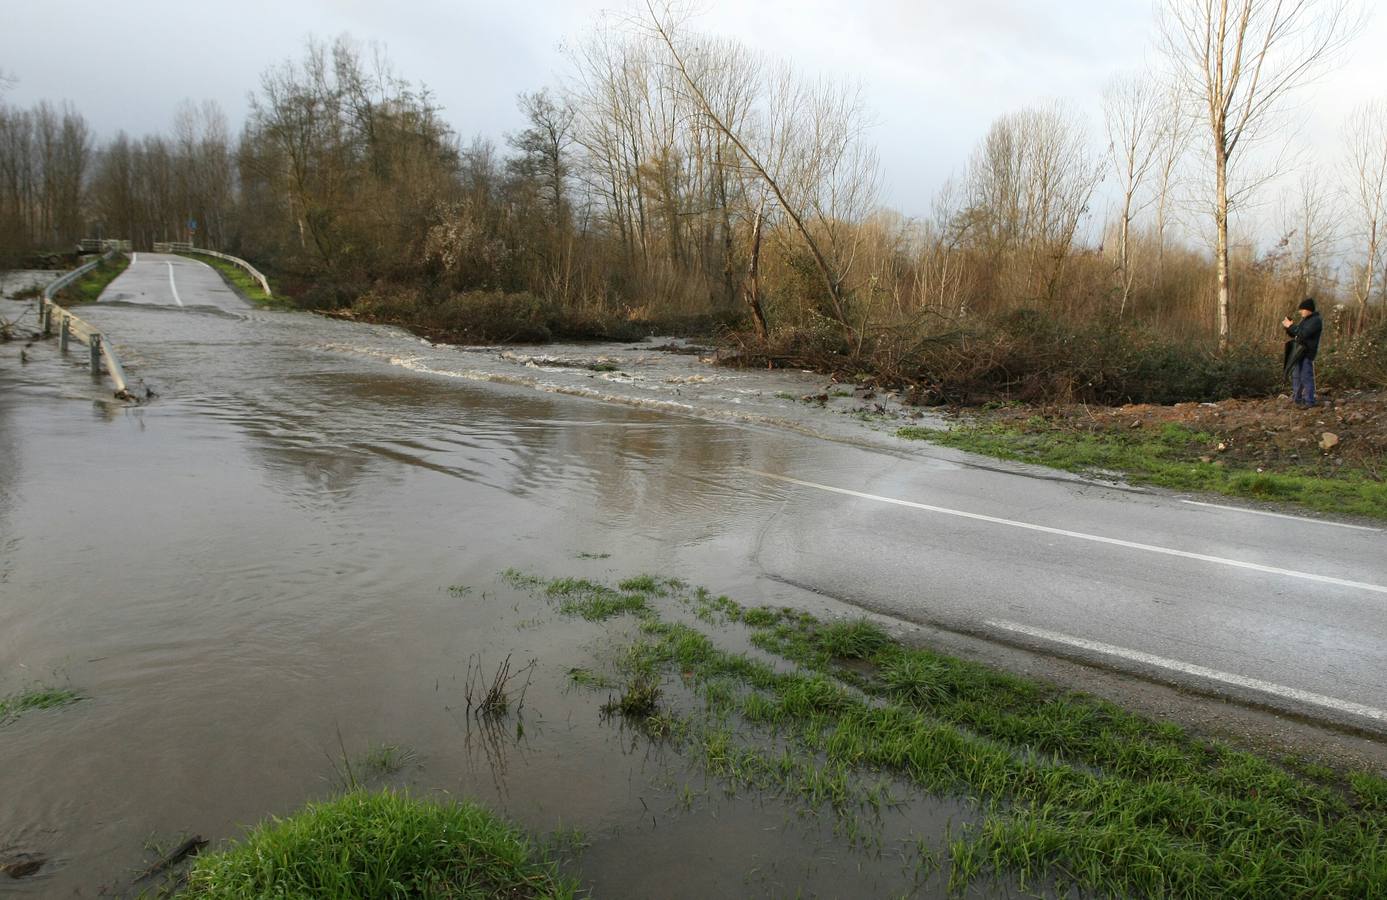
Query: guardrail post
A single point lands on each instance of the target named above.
(64, 332)
(45, 317)
(94, 342)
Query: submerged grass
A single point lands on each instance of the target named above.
(13, 706)
(380, 844)
(386, 759)
(1169, 457)
(1074, 790)
(597, 602)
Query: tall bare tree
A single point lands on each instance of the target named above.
(1175, 129)
(820, 182)
(1132, 112)
(1365, 136)
(1308, 217)
(1029, 185)
(1240, 58)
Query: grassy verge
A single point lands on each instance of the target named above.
(87, 288)
(241, 280)
(13, 706)
(1172, 457)
(1073, 790)
(380, 844)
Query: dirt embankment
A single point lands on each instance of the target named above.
(1346, 429)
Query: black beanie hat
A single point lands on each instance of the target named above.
(1308, 303)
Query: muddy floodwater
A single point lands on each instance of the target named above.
(291, 556)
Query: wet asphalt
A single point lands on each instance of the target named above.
(167, 279)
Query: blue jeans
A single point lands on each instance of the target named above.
(1303, 382)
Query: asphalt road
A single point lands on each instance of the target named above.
(167, 279)
(1283, 611)
(1276, 609)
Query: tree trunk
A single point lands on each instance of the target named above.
(1123, 255)
(753, 278)
(1368, 275)
(1221, 250)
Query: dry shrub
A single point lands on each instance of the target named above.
(1358, 362)
(1026, 355)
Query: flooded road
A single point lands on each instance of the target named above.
(248, 578)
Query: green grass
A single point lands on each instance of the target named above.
(386, 759)
(1168, 458)
(1073, 790)
(592, 601)
(241, 280)
(87, 288)
(13, 706)
(589, 679)
(378, 845)
(639, 698)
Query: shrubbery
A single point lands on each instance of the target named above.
(1028, 356)
(503, 317)
(1361, 362)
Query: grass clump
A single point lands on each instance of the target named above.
(386, 759)
(13, 706)
(1172, 457)
(89, 287)
(380, 844)
(855, 639)
(589, 679)
(595, 602)
(639, 699)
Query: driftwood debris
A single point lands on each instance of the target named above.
(23, 868)
(188, 848)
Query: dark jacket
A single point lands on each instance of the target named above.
(1306, 334)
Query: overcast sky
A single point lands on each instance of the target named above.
(936, 72)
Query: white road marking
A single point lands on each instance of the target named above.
(1256, 684)
(173, 287)
(1083, 536)
(1263, 512)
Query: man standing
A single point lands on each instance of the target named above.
(1301, 350)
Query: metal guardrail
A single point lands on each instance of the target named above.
(103, 245)
(184, 247)
(71, 326)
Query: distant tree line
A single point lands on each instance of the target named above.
(672, 176)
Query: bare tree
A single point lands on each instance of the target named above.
(1308, 215)
(1365, 136)
(809, 156)
(1172, 139)
(1029, 185)
(1132, 111)
(1240, 58)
